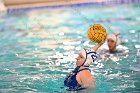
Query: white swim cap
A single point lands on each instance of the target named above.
(90, 56)
(115, 38)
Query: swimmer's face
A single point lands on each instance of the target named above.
(111, 43)
(80, 59)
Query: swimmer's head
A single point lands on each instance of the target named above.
(86, 57)
(113, 40)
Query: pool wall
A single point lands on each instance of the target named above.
(26, 5)
(38, 3)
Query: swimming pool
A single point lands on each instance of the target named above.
(38, 48)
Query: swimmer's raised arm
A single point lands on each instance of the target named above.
(95, 48)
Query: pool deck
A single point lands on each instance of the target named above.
(12, 4)
(37, 3)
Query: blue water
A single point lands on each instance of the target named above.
(38, 48)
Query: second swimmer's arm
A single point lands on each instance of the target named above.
(95, 48)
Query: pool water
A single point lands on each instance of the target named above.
(38, 48)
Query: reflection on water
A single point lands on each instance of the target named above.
(39, 47)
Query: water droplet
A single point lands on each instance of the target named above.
(137, 46)
(36, 48)
(16, 54)
(61, 33)
(132, 31)
(37, 64)
(21, 64)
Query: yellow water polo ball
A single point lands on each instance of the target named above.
(96, 33)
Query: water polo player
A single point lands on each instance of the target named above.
(81, 78)
(113, 41)
(113, 46)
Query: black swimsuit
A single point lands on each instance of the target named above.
(71, 82)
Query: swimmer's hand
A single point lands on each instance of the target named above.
(103, 41)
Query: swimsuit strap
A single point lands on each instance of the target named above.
(83, 69)
(76, 69)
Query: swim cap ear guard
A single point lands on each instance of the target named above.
(90, 56)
